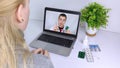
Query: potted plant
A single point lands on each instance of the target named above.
(95, 16)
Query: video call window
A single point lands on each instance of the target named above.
(61, 22)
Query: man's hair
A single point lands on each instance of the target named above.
(64, 15)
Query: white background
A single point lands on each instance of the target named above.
(109, 43)
(37, 9)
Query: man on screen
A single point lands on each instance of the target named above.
(60, 27)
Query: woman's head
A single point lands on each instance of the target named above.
(13, 19)
(17, 10)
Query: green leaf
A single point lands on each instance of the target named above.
(95, 15)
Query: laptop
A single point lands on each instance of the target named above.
(60, 31)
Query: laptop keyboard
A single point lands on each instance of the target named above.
(56, 40)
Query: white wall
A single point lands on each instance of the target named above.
(37, 9)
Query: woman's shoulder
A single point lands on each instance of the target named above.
(36, 61)
(41, 61)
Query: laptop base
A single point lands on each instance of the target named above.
(53, 48)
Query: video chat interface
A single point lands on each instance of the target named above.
(54, 23)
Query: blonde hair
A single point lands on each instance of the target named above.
(10, 36)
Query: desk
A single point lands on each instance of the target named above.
(109, 42)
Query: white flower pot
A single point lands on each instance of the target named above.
(90, 31)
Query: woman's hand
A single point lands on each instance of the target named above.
(41, 51)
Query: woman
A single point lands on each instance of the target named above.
(14, 52)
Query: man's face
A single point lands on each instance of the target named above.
(61, 21)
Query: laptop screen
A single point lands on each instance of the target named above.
(61, 21)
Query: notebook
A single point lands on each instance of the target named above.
(60, 31)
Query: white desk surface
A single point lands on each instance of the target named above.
(109, 42)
